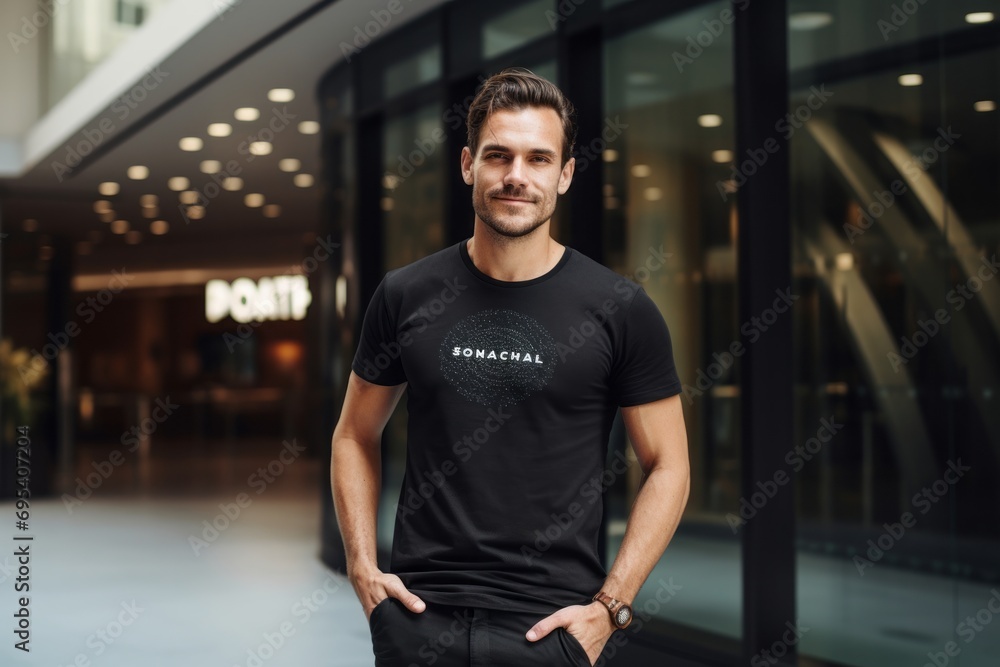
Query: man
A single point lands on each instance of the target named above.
(515, 352)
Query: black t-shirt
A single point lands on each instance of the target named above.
(512, 390)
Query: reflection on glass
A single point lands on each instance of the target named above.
(424, 67)
(517, 27)
(670, 229)
(897, 339)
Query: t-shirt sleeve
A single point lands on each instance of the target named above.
(644, 363)
(378, 359)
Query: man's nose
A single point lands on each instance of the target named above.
(516, 173)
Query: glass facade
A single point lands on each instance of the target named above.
(890, 140)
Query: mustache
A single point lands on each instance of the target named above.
(512, 193)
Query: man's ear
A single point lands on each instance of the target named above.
(566, 176)
(466, 161)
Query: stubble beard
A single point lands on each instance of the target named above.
(486, 209)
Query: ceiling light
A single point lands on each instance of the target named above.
(309, 127)
(195, 212)
(303, 180)
(985, 105)
(844, 261)
(232, 183)
(653, 194)
(210, 166)
(979, 17)
(641, 170)
(610, 155)
(220, 130)
(722, 156)
(289, 164)
(809, 20)
(388, 203)
(191, 144)
(138, 172)
(188, 197)
(159, 227)
(29, 225)
(149, 212)
(246, 113)
(281, 94)
(260, 148)
(108, 188)
(119, 226)
(710, 120)
(178, 183)
(102, 206)
(133, 237)
(148, 200)
(272, 211)
(254, 200)
(910, 80)
(390, 181)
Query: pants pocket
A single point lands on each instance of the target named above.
(376, 611)
(574, 648)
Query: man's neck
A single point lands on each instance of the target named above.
(515, 261)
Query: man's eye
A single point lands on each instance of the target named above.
(493, 155)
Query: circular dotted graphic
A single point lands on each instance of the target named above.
(498, 357)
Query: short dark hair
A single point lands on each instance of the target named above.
(515, 88)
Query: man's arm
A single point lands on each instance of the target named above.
(356, 478)
(659, 439)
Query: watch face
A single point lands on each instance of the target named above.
(623, 615)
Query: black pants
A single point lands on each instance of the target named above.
(448, 636)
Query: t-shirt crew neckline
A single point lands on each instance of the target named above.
(463, 250)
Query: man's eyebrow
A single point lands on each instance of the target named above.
(504, 149)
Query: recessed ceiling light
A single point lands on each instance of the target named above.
(150, 212)
(710, 120)
(390, 181)
(809, 20)
(188, 197)
(303, 180)
(138, 172)
(210, 166)
(910, 80)
(159, 227)
(148, 200)
(178, 183)
(979, 17)
(108, 188)
(641, 170)
(985, 105)
(220, 130)
(191, 144)
(195, 212)
(119, 226)
(246, 113)
(653, 194)
(133, 237)
(309, 127)
(102, 206)
(281, 94)
(29, 225)
(232, 183)
(260, 148)
(610, 155)
(388, 203)
(271, 211)
(722, 156)
(289, 164)
(254, 200)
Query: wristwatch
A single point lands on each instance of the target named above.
(621, 613)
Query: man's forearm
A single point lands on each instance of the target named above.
(356, 478)
(652, 522)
